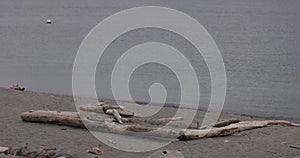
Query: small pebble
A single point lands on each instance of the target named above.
(167, 154)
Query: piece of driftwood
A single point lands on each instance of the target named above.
(112, 127)
(295, 147)
(102, 107)
(161, 121)
(224, 123)
(121, 112)
(170, 119)
(137, 120)
(188, 134)
(219, 124)
(117, 115)
(73, 119)
(60, 118)
(106, 106)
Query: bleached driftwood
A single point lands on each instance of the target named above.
(60, 118)
(219, 124)
(117, 115)
(106, 108)
(73, 119)
(224, 123)
(161, 121)
(121, 112)
(170, 119)
(109, 106)
(188, 134)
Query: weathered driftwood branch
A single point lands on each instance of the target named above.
(60, 118)
(73, 119)
(166, 120)
(295, 147)
(219, 124)
(161, 121)
(95, 113)
(121, 112)
(224, 123)
(106, 108)
(231, 129)
(116, 114)
(282, 122)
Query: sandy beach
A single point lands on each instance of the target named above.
(271, 141)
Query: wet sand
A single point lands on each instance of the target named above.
(272, 141)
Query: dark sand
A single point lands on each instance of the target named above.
(272, 141)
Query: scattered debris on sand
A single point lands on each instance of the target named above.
(24, 152)
(95, 150)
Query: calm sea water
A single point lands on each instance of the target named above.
(259, 41)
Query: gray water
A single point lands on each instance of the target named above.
(258, 39)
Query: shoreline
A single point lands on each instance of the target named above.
(271, 141)
(173, 105)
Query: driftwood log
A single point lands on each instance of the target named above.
(295, 147)
(73, 119)
(188, 134)
(60, 118)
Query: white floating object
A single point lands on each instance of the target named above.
(48, 21)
